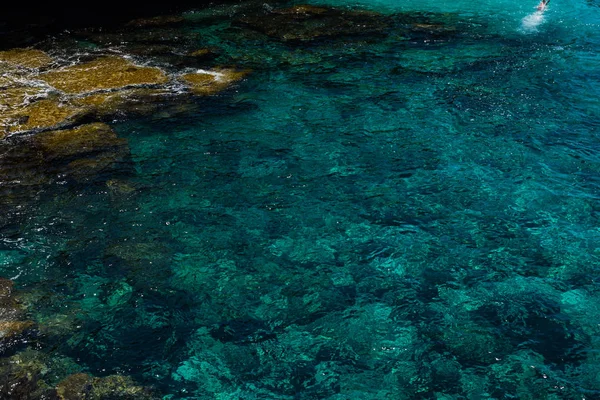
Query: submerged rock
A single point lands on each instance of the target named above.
(205, 82)
(33, 375)
(80, 141)
(128, 101)
(78, 153)
(13, 325)
(119, 187)
(105, 73)
(27, 58)
(433, 28)
(305, 23)
(22, 377)
(83, 386)
(201, 53)
(160, 20)
(305, 9)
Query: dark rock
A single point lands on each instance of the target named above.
(14, 328)
(22, 377)
(243, 331)
(306, 23)
(82, 386)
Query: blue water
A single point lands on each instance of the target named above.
(365, 217)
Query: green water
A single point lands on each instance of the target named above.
(365, 217)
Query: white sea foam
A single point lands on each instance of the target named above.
(531, 22)
(218, 75)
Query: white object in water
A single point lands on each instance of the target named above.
(218, 75)
(531, 22)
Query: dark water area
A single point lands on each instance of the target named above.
(398, 201)
(25, 24)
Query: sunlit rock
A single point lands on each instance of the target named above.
(13, 329)
(16, 97)
(105, 73)
(208, 82)
(28, 58)
(45, 114)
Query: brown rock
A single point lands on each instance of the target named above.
(201, 53)
(12, 325)
(79, 141)
(17, 97)
(28, 58)
(105, 73)
(74, 387)
(11, 75)
(41, 115)
(83, 386)
(6, 288)
(12, 329)
(21, 377)
(118, 385)
(205, 82)
(137, 100)
(84, 168)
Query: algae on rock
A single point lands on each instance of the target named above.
(306, 23)
(84, 139)
(83, 386)
(27, 58)
(40, 115)
(135, 101)
(13, 325)
(105, 73)
(211, 82)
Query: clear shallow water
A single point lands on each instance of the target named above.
(362, 218)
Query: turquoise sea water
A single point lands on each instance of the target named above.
(363, 217)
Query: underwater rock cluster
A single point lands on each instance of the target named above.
(306, 22)
(14, 324)
(30, 374)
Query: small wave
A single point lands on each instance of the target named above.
(531, 22)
